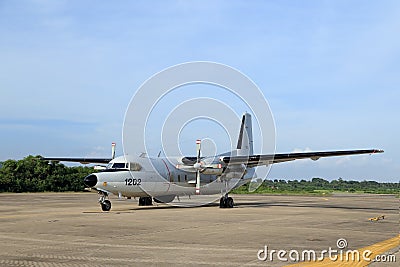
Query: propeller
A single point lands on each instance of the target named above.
(113, 150)
(198, 166)
(194, 164)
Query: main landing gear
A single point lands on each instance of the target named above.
(226, 202)
(145, 201)
(105, 203)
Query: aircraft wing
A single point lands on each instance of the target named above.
(82, 160)
(87, 160)
(258, 160)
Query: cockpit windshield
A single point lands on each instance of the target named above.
(117, 165)
(132, 166)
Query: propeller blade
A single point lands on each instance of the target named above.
(198, 182)
(198, 145)
(198, 166)
(113, 150)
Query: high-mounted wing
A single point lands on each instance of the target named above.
(87, 160)
(82, 160)
(258, 160)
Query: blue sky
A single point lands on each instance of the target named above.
(329, 69)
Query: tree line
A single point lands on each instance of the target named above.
(321, 186)
(32, 174)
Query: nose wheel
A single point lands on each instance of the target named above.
(104, 203)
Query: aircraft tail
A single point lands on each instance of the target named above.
(245, 140)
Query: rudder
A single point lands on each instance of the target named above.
(245, 140)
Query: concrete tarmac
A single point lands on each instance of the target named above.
(69, 229)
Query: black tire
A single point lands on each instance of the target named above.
(141, 201)
(229, 202)
(106, 205)
(222, 203)
(149, 201)
(145, 201)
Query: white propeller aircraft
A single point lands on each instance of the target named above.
(163, 179)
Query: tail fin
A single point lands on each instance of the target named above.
(245, 140)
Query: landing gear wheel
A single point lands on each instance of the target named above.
(226, 202)
(145, 201)
(229, 202)
(222, 203)
(106, 205)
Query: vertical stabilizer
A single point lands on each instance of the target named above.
(245, 140)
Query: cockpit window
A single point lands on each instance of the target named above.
(135, 166)
(118, 165)
(132, 166)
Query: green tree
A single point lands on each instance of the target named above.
(32, 174)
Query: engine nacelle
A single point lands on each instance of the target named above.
(213, 171)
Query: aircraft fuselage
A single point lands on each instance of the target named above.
(142, 177)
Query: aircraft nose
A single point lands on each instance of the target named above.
(90, 180)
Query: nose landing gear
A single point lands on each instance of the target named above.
(105, 203)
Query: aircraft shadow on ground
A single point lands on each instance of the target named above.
(311, 205)
(262, 204)
(269, 204)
